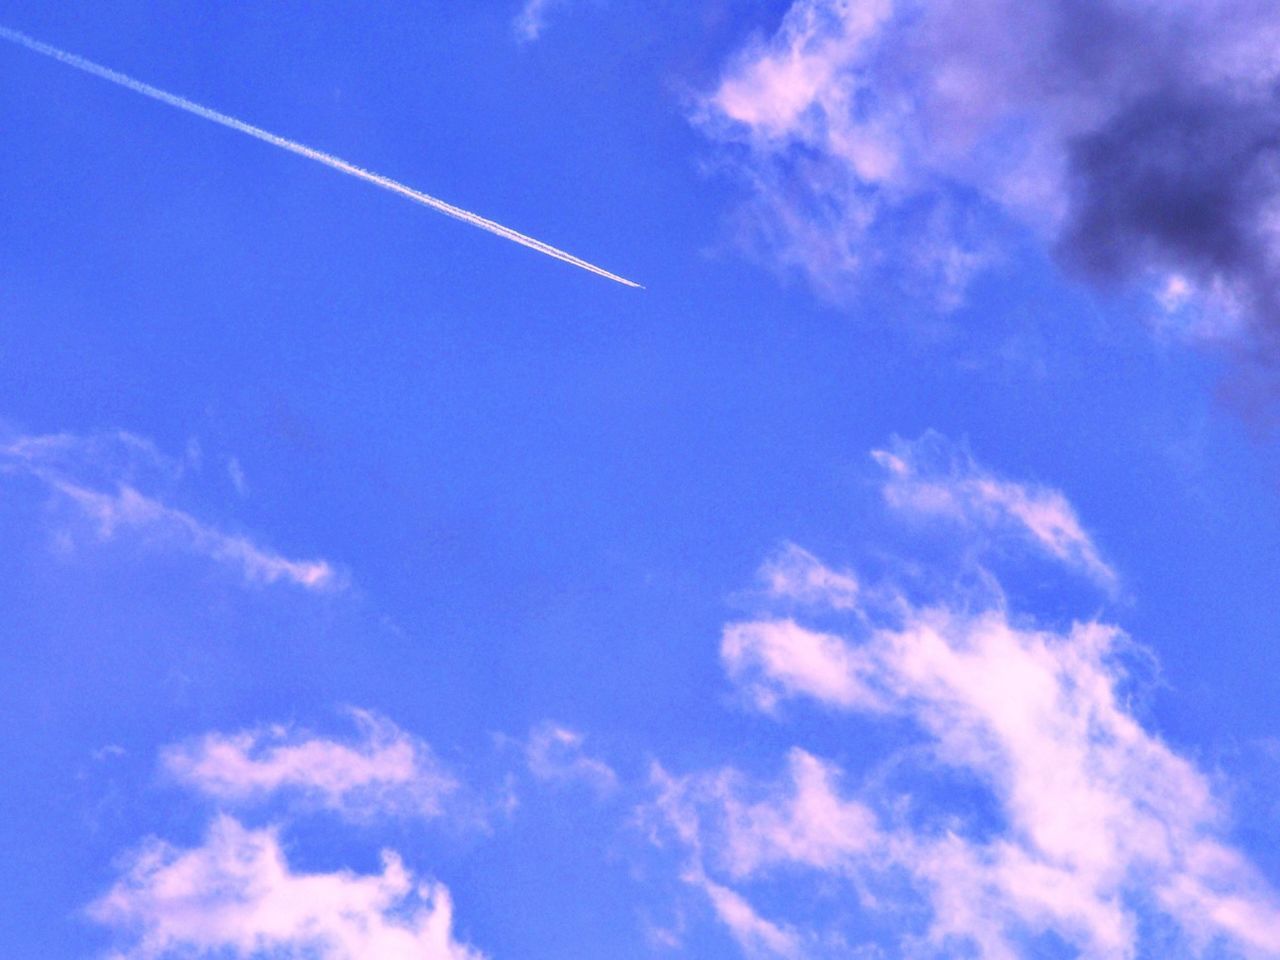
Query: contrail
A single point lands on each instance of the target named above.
(342, 166)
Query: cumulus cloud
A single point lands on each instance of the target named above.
(1137, 138)
(933, 478)
(1027, 800)
(100, 476)
(237, 896)
(382, 771)
(554, 752)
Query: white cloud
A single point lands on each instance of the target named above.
(532, 18)
(756, 935)
(803, 820)
(1089, 827)
(99, 476)
(383, 771)
(796, 574)
(774, 90)
(554, 752)
(779, 658)
(821, 153)
(932, 478)
(114, 456)
(235, 473)
(236, 896)
(127, 508)
(1101, 821)
(1095, 804)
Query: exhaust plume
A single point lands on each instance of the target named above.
(336, 163)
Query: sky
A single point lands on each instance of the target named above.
(893, 576)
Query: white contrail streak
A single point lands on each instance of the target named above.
(182, 103)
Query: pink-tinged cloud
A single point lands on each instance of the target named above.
(99, 476)
(775, 659)
(796, 574)
(237, 897)
(932, 479)
(381, 772)
(556, 753)
(733, 827)
(756, 936)
(778, 88)
(803, 820)
(1097, 810)
(1091, 828)
(127, 509)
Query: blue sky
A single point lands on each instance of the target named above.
(893, 576)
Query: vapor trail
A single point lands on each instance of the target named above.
(182, 103)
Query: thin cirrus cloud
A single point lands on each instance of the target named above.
(1137, 141)
(933, 478)
(794, 573)
(532, 18)
(100, 475)
(556, 753)
(1093, 831)
(754, 934)
(237, 896)
(382, 771)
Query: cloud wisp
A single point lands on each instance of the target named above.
(1024, 799)
(384, 771)
(795, 574)
(237, 896)
(97, 474)
(1137, 140)
(555, 753)
(335, 163)
(932, 478)
(532, 18)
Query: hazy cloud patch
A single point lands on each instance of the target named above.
(103, 477)
(382, 771)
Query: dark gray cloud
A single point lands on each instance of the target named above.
(1182, 180)
(1137, 137)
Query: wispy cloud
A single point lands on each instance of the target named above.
(936, 479)
(98, 475)
(754, 934)
(777, 659)
(1024, 797)
(795, 574)
(1137, 141)
(383, 771)
(235, 473)
(554, 752)
(237, 896)
(532, 18)
(127, 508)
